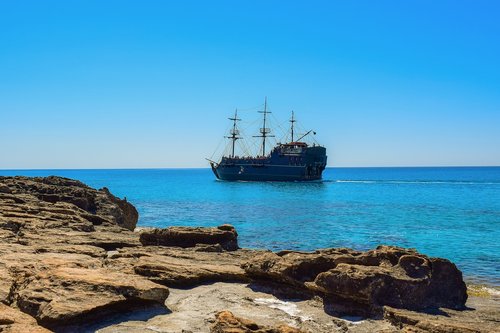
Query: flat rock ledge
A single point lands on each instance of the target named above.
(69, 256)
(223, 237)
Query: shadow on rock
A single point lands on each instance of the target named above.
(281, 292)
(90, 324)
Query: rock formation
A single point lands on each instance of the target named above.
(55, 234)
(68, 255)
(14, 321)
(224, 236)
(226, 322)
(387, 275)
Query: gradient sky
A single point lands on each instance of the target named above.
(133, 84)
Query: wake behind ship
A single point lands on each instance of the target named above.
(292, 161)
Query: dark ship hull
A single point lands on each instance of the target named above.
(293, 161)
(287, 162)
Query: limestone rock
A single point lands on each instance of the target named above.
(14, 321)
(224, 235)
(64, 295)
(180, 267)
(57, 233)
(226, 322)
(101, 206)
(125, 214)
(68, 256)
(386, 276)
(444, 321)
(59, 287)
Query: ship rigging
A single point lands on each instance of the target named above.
(291, 161)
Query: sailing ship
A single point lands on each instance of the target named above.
(292, 161)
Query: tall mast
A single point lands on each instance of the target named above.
(292, 121)
(264, 131)
(234, 132)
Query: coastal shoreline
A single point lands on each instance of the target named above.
(451, 204)
(69, 255)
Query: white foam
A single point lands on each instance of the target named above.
(491, 291)
(353, 319)
(287, 307)
(422, 182)
(357, 181)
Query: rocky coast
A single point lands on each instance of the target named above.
(71, 260)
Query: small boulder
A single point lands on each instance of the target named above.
(224, 235)
(4, 189)
(226, 322)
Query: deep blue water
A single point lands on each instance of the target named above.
(447, 212)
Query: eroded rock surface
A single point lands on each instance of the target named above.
(194, 310)
(392, 276)
(56, 234)
(181, 267)
(101, 206)
(68, 256)
(449, 321)
(14, 321)
(226, 322)
(225, 236)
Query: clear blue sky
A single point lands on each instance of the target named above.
(117, 84)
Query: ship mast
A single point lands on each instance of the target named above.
(234, 132)
(264, 131)
(292, 121)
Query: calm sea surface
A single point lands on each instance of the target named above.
(447, 212)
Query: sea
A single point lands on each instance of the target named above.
(449, 212)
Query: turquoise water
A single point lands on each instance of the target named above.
(447, 212)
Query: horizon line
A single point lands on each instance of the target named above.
(199, 168)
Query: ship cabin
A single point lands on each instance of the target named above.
(292, 148)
